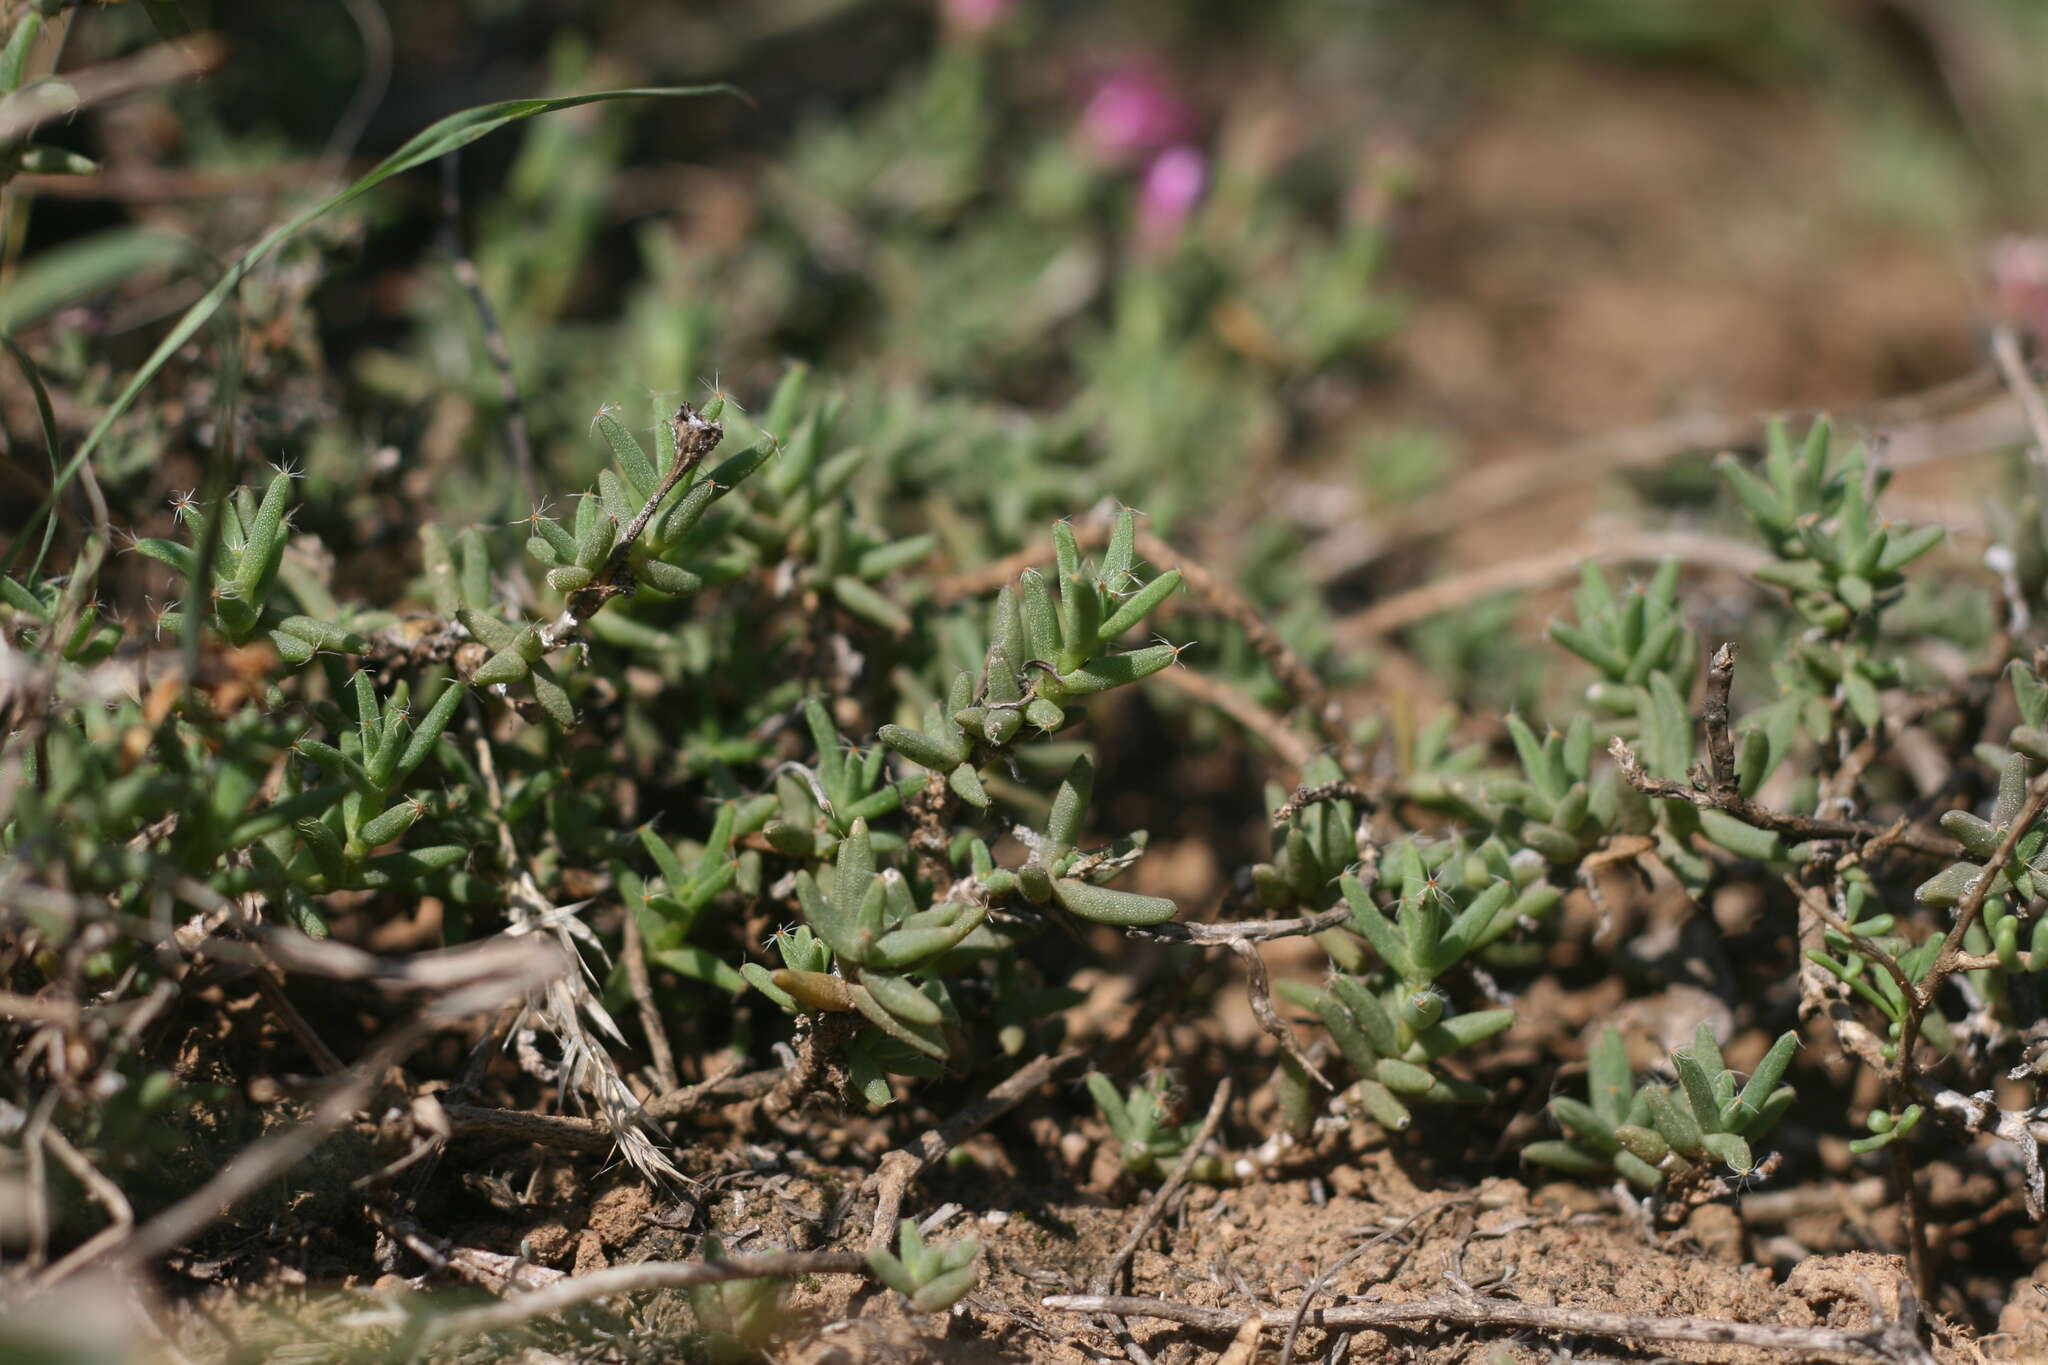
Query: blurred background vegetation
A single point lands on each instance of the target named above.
(1196, 255)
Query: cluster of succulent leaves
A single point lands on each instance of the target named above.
(676, 553)
(737, 1317)
(886, 941)
(235, 552)
(1045, 650)
(1840, 567)
(1564, 801)
(669, 904)
(1317, 844)
(87, 639)
(796, 514)
(126, 801)
(1151, 1129)
(1517, 832)
(933, 1278)
(2019, 879)
(1390, 1020)
(1652, 1136)
(1870, 933)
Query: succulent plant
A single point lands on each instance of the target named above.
(1150, 1126)
(933, 1278)
(737, 1317)
(1651, 1136)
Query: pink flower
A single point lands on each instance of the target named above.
(1172, 188)
(973, 16)
(1133, 112)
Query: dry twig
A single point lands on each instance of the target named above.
(1260, 992)
(902, 1167)
(1498, 486)
(1156, 1205)
(1550, 569)
(1801, 827)
(1896, 1342)
(629, 1279)
(1252, 930)
(1237, 704)
(2012, 367)
(633, 954)
(1317, 1285)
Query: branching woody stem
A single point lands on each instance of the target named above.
(695, 438)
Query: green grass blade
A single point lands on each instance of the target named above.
(450, 134)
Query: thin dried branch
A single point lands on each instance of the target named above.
(565, 1132)
(1896, 1342)
(2012, 367)
(1237, 704)
(1294, 674)
(1305, 796)
(433, 972)
(633, 953)
(1253, 930)
(1260, 992)
(1720, 733)
(1802, 827)
(726, 1086)
(901, 1168)
(277, 1152)
(570, 1133)
(1500, 486)
(40, 1009)
(1551, 569)
(1156, 1205)
(632, 1279)
(814, 1052)
(2025, 1130)
(1972, 903)
(120, 1214)
(1321, 1281)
